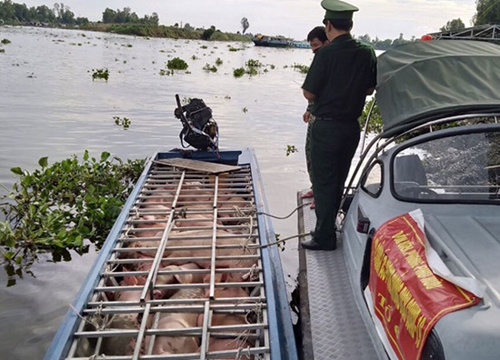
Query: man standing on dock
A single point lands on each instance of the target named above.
(317, 39)
(341, 75)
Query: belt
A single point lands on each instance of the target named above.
(324, 118)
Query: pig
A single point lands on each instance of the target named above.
(228, 209)
(152, 223)
(225, 318)
(204, 238)
(221, 344)
(123, 345)
(167, 345)
(194, 220)
(183, 278)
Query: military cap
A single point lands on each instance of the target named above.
(336, 9)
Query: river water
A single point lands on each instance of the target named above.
(49, 106)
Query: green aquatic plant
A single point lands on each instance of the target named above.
(209, 67)
(253, 63)
(177, 64)
(375, 126)
(2, 50)
(194, 57)
(252, 71)
(303, 69)
(60, 207)
(290, 149)
(218, 62)
(203, 47)
(100, 74)
(124, 122)
(233, 49)
(164, 72)
(239, 72)
(5, 41)
(245, 110)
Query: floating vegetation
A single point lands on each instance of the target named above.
(100, 74)
(252, 71)
(194, 57)
(2, 50)
(5, 41)
(164, 72)
(203, 47)
(177, 64)
(129, 45)
(227, 97)
(124, 122)
(60, 207)
(233, 49)
(218, 62)
(253, 63)
(303, 69)
(209, 67)
(290, 149)
(245, 110)
(239, 72)
(272, 67)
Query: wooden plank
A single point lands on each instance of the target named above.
(197, 165)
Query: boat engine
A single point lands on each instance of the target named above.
(199, 129)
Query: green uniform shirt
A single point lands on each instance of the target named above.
(340, 75)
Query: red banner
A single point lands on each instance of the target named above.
(408, 298)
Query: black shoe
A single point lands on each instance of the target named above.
(313, 245)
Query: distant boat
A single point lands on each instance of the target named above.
(278, 41)
(300, 44)
(271, 41)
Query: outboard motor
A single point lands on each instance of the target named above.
(199, 128)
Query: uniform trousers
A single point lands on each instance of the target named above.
(333, 145)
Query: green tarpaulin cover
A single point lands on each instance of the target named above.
(425, 80)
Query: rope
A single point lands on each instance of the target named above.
(242, 213)
(279, 241)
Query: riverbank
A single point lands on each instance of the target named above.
(148, 30)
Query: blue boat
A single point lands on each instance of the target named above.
(186, 271)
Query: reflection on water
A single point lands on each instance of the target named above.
(51, 107)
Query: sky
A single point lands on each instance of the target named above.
(385, 19)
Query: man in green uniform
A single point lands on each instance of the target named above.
(340, 77)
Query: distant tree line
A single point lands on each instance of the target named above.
(19, 14)
(384, 44)
(127, 22)
(110, 16)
